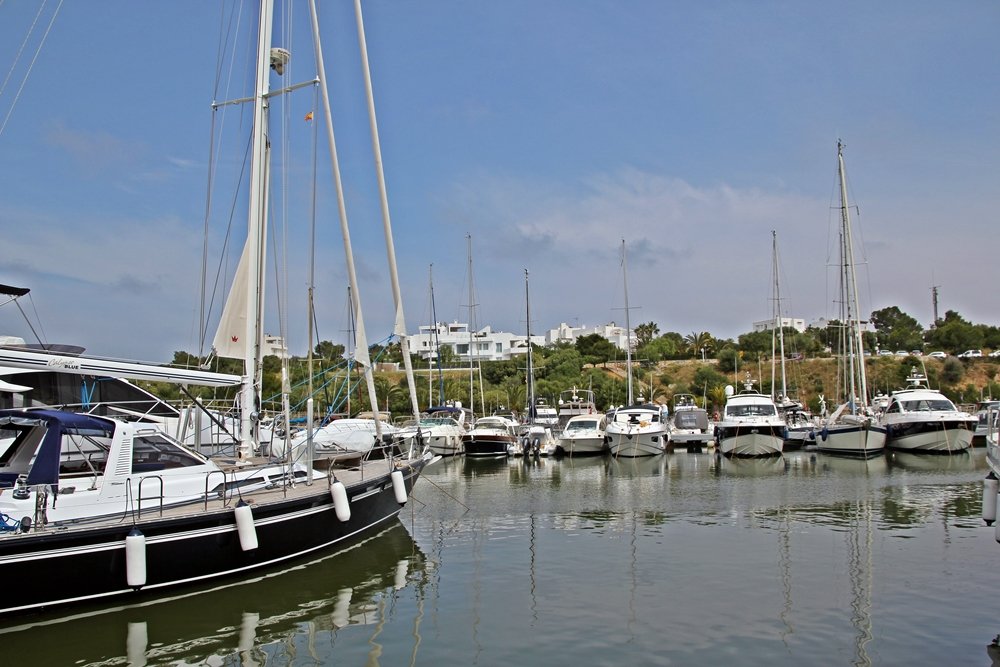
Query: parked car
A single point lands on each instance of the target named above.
(969, 354)
(916, 353)
(900, 353)
(938, 355)
(885, 353)
(995, 353)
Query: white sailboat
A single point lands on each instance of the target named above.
(852, 429)
(637, 429)
(536, 434)
(137, 511)
(799, 428)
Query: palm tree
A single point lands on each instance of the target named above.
(645, 333)
(717, 395)
(698, 342)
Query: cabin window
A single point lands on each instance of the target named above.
(750, 410)
(154, 452)
(927, 405)
(82, 456)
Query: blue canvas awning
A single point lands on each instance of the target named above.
(45, 469)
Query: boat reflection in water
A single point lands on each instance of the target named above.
(959, 461)
(283, 612)
(753, 466)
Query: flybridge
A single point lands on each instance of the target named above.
(38, 361)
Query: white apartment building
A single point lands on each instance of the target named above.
(564, 333)
(796, 323)
(486, 344)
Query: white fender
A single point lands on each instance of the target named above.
(340, 501)
(402, 568)
(135, 559)
(245, 527)
(399, 486)
(990, 488)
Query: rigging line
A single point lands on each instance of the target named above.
(31, 65)
(25, 316)
(20, 50)
(229, 229)
(204, 237)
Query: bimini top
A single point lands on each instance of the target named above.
(45, 468)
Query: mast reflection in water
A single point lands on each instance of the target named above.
(680, 559)
(304, 613)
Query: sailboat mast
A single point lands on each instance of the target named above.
(472, 311)
(531, 370)
(437, 345)
(777, 326)
(361, 337)
(256, 239)
(628, 329)
(851, 295)
(399, 328)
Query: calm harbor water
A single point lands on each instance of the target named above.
(673, 560)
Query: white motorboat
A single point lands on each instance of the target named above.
(638, 430)
(750, 424)
(987, 418)
(584, 434)
(689, 425)
(574, 402)
(544, 413)
(490, 436)
(852, 429)
(921, 419)
(441, 428)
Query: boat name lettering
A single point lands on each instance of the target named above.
(60, 362)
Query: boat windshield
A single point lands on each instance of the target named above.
(751, 410)
(587, 425)
(686, 420)
(438, 421)
(927, 404)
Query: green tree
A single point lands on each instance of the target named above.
(696, 341)
(955, 334)
(659, 349)
(646, 332)
(329, 351)
(895, 330)
(596, 349)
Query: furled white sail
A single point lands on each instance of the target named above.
(229, 337)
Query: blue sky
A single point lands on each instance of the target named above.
(549, 131)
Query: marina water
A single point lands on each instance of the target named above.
(666, 560)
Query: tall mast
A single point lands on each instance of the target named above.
(361, 337)
(472, 315)
(777, 329)
(628, 329)
(399, 329)
(437, 345)
(256, 239)
(853, 309)
(530, 369)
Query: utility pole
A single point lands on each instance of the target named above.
(934, 303)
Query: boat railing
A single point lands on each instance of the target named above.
(208, 477)
(141, 497)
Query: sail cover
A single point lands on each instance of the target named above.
(13, 291)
